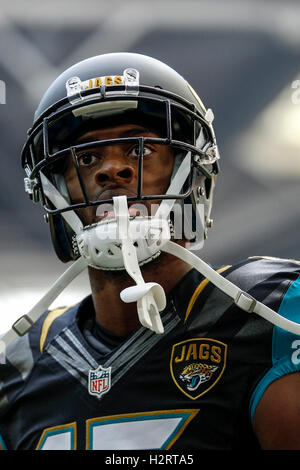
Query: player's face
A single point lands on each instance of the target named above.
(112, 170)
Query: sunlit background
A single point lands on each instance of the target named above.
(243, 58)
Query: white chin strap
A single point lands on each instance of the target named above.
(149, 296)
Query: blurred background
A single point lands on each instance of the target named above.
(243, 58)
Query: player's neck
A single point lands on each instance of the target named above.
(111, 312)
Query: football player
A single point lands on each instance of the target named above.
(166, 353)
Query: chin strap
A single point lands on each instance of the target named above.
(242, 299)
(26, 322)
(150, 296)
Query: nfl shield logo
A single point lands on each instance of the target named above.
(99, 381)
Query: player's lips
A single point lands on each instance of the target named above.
(106, 211)
(111, 192)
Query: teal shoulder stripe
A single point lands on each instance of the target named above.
(290, 309)
(284, 359)
(282, 367)
(2, 444)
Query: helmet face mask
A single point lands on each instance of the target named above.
(178, 121)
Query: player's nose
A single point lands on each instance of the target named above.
(115, 168)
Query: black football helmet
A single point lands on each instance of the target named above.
(108, 90)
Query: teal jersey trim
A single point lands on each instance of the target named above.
(2, 444)
(285, 346)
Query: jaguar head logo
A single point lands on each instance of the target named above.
(196, 374)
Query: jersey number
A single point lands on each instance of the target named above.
(154, 430)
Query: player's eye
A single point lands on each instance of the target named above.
(134, 151)
(87, 159)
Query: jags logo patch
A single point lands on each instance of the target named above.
(197, 365)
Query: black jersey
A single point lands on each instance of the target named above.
(196, 386)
